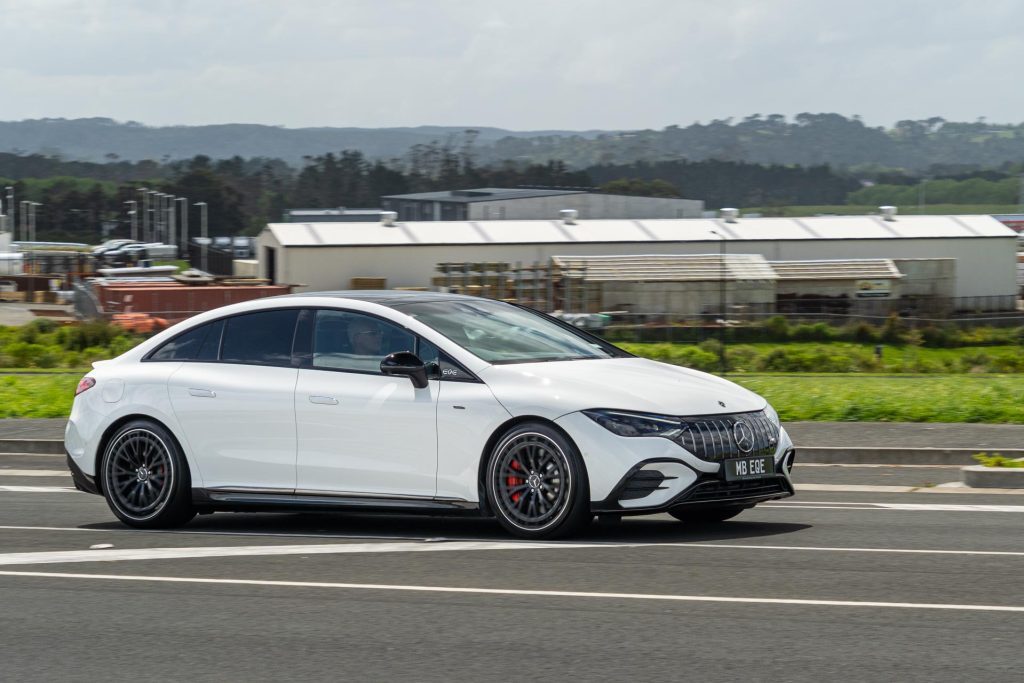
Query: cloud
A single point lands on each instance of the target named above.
(524, 64)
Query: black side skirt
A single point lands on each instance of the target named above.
(276, 502)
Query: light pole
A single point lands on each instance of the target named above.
(23, 211)
(10, 209)
(721, 299)
(32, 207)
(184, 222)
(134, 221)
(144, 193)
(203, 232)
(154, 205)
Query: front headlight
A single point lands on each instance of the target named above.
(772, 415)
(636, 424)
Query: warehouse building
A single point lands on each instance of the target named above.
(497, 203)
(980, 252)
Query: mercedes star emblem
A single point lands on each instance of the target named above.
(743, 435)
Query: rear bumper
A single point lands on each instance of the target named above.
(83, 482)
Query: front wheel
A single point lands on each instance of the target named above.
(145, 477)
(705, 515)
(536, 483)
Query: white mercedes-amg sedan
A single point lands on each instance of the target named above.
(415, 402)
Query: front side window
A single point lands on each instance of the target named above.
(499, 333)
(262, 338)
(357, 342)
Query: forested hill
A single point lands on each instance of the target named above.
(808, 140)
(104, 140)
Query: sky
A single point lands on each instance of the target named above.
(515, 64)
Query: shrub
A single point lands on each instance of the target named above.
(23, 354)
(777, 328)
(997, 460)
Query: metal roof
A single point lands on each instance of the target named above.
(481, 194)
(666, 268)
(633, 231)
(844, 269)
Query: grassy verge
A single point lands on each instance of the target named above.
(871, 398)
(840, 357)
(37, 395)
(901, 398)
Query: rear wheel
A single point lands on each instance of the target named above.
(536, 483)
(145, 477)
(705, 515)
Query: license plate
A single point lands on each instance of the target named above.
(738, 469)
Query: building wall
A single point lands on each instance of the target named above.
(927, 277)
(682, 298)
(594, 206)
(985, 266)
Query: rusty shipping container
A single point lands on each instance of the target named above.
(174, 301)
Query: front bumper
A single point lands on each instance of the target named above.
(707, 490)
(650, 474)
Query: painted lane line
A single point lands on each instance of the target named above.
(134, 554)
(34, 473)
(524, 592)
(417, 545)
(911, 507)
(38, 489)
(186, 532)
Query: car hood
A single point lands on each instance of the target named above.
(637, 384)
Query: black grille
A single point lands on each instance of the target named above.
(714, 437)
(714, 490)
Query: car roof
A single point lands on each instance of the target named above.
(386, 297)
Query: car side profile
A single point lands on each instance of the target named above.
(415, 402)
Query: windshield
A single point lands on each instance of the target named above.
(499, 333)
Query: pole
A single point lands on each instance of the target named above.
(172, 203)
(133, 216)
(24, 220)
(145, 211)
(721, 300)
(204, 232)
(10, 210)
(184, 224)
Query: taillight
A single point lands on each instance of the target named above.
(84, 384)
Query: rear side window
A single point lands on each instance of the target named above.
(263, 338)
(195, 344)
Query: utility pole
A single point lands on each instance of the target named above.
(23, 206)
(10, 210)
(145, 211)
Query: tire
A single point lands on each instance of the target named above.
(705, 515)
(551, 499)
(145, 477)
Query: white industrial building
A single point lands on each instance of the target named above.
(329, 256)
(500, 203)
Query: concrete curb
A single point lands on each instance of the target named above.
(31, 446)
(979, 476)
(868, 455)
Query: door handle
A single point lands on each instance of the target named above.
(324, 400)
(203, 393)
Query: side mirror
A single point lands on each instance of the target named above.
(408, 364)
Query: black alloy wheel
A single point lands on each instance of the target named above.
(536, 483)
(694, 515)
(145, 477)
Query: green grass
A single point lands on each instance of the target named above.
(842, 357)
(851, 397)
(888, 398)
(37, 395)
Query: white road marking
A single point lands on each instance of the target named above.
(34, 473)
(917, 507)
(524, 592)
(37, 489)
(876, 466)
(131, 554)
(416, 545)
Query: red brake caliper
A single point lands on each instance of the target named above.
(515, 481)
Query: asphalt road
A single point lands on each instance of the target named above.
(829, 585)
